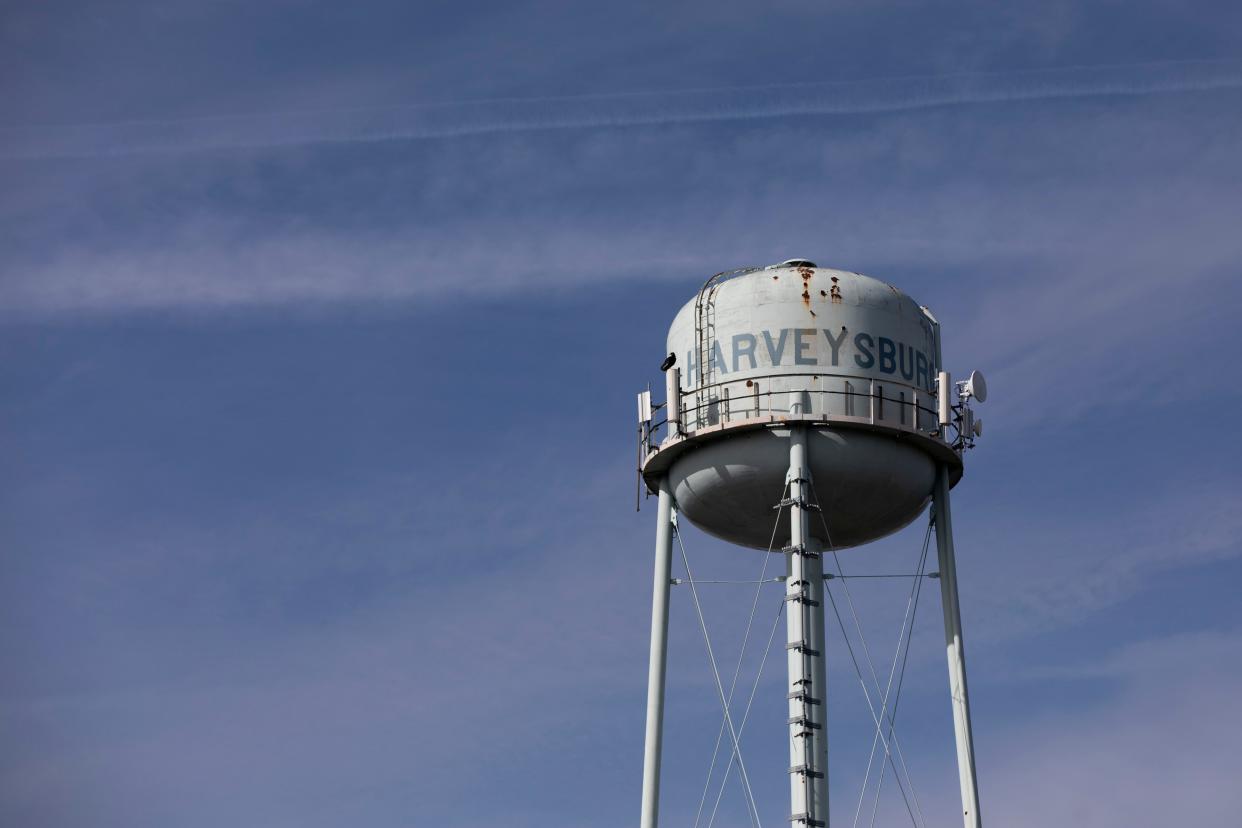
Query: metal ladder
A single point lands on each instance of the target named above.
(705, 340)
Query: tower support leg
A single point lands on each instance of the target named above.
(658, 658)
(955, 652)
(804, 646)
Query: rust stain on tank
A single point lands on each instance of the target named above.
(806, 273)
(835, 291)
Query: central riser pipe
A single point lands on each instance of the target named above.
(804, 646)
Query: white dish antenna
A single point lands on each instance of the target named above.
(976, 386)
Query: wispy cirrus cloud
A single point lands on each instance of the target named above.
(449, 120)
(487, 218)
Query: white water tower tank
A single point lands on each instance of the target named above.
(852, 357)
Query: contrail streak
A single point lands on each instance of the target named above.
(412, 123)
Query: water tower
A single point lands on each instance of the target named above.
(808, 406)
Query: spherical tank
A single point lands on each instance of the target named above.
(849, 358)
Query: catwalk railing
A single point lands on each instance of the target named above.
(771, 398)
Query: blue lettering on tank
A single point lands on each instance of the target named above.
(920, 371)
(801, 345)
(864, 343)
(835, 344)
(905, 363)
(775, 350)
(749, 341)
(888, 355)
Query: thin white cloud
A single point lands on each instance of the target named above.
(606, 111)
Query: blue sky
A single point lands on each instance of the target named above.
(320, 327)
